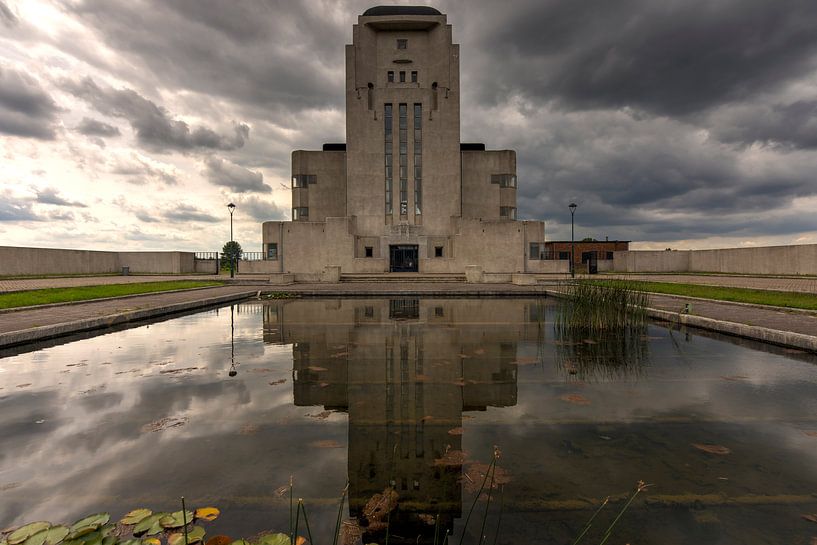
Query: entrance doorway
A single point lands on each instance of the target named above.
(403, 258)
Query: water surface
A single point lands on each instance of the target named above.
(415, 394)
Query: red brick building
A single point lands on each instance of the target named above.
(586, 251)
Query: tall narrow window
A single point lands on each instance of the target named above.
(403, 159)
(370, 96)
(402, 44)
(402, 76)
(390, 76)
(414, 76)
(387, 117)
(418, 158)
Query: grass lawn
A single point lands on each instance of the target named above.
(740, 295)
(85, 293)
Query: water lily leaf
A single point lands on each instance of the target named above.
(219, 540)
(151, 541)
(24, 532)
(274, 539)
(109, 540)
(37, 539)
(194, 535)
(93, 537)
(713, 449)
(133, 541)
(207, 513)
(240, 542)
(56, 534)
(136, 516)
(150, 525)
(92, 521)
(176, 520)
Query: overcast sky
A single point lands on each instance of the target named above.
(128, 124)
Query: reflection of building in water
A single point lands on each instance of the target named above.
(404, 370)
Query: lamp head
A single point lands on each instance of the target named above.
(231, 206)
(572, 207)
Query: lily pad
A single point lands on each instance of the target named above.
(150, 525)
(91, 521)
(274, 539)
(37, 539)
(132, 541)
(109, 540)
(240, 542)
(24, 532)
(55, 535)
(194, 535)
(136, 516)
(219, 540)
(207, 513)
(176, 520)
(151, 541)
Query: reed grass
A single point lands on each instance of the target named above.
(594, 309)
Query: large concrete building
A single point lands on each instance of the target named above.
(403, 194)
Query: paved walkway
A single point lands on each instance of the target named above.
(803, 285)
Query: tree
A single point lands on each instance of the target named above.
(230, 252)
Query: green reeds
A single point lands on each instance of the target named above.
(639, 487)
(340, 514)
(591, 308)
(491, 470)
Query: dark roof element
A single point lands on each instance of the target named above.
(334, 146)
(472, 146)
(379, 11)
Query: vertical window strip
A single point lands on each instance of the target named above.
(389, 165)
(418, 158)
(403, 127)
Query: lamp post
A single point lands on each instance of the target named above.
(572, 207)
(231, 208)
(232, 371)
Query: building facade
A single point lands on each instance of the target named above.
(403, 194)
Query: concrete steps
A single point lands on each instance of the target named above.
(402, 277)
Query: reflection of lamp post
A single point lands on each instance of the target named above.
(232, 372)
(231, 207)
(572, 207)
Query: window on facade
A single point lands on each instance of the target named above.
(369, 251)
(438, 311)
(300, 213)
(564, 255)
(507, 212)
(402, 44)
(390, 76)
(504, 180)
(418, 158)
(403, 126)
(414, 76)
(272, 251)
(387, 125)
(438, 251)
(302, 180)
(535, 252)
(402, 77)
(609, 255)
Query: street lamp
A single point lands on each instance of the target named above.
(231, 208)
(572, 207)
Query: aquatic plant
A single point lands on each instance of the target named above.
(593, 308)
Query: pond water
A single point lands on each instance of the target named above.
(415, 393)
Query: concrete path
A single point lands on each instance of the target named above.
(73, 282)
(802, 284)
(23, 326)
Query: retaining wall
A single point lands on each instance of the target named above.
(15, 261)
(797, 259)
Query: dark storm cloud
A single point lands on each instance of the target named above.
(25, 108)
(241, 180)
(285, 55)
(49, 195)
(7, 18)
(670, 57)
(791, 125)
(155, 128)
(93, 127)
(259, 209)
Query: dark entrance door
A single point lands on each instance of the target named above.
(403, 258)
(591, 258)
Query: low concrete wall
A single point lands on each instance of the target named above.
(37, 261)
(206, 266)
(798, 259)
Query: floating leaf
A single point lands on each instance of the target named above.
(326, 443)
(575, 399)
(24, 532)
(56, 534)
(136, 516)
(176, 520)
(810, 518)
(207, 513)
(150, 525)
(240, 542)
(713, 449)
(151, 541)
(37, 539)
(378, 507)
(133, 541)
(109, 540)
(219, 540)
(455, 431)
(810, 433)
(274, 539)
(194, 535)
(92, 521)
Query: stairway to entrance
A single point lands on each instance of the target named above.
(403, 277)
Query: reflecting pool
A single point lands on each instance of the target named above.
(223, 406)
